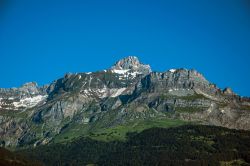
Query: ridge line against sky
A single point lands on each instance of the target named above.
(42, 40)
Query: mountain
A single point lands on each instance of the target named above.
(127, 96)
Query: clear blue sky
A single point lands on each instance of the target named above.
(40, 40)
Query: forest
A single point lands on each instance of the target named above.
(183, 145)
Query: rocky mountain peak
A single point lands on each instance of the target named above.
(29, 85)
(131, 63)
(228, 91)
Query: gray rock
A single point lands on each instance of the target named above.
(132, 63)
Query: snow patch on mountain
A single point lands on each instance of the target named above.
(172, 70)
(120, 71)
(134, 74)
(103, 92)
(30, 101)
(124, 74)
(118, 92)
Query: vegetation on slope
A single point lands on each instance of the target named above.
(183, 145)
(117, 132)
(8, 158)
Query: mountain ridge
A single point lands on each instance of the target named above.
(128, 63)
(125, 93)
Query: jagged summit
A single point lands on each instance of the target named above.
(228, 91)
(30, 84)
(131, 63)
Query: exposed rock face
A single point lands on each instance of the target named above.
(129, 91)
(26, 90)
(228, 91)
(28, 95)
(132, 63)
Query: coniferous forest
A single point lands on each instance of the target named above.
(184, 145)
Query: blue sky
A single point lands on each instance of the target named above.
(42, 40)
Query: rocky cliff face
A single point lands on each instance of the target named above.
(127, 92)
(26, 96)
(133, 64)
